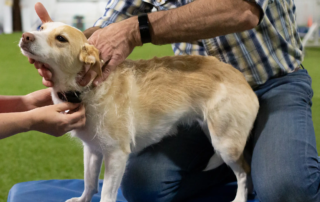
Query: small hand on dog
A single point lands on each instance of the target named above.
(49, 118)
(53, 121)
(115, 42)
(36, 111)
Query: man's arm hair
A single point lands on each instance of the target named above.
(203, 19)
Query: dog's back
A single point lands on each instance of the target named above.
(153, 96)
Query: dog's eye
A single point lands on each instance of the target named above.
(41, 28)
(61, 39)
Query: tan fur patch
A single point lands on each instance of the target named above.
(75, 37)
(90, 55)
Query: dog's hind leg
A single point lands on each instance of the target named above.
(92, 166)
(229, 142)
(216, 160)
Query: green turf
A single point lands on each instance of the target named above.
(35, 156)
(312, 64)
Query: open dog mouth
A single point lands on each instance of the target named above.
(26, 49)
(70, 96)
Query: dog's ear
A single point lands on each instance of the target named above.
(90, 55)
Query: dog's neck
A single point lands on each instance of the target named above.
(68, 90)
(66, 87)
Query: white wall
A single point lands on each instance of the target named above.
(93, 9)
(59, 11)
(1, 10)
(5, 10)
(307, 8)
(62, 11)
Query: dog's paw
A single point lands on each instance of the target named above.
(77, 200)
(239, 200)
(109, 200)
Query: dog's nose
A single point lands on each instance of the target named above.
(27, 37)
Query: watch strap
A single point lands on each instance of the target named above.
(144, 28)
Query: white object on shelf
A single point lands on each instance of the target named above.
(312, 34)
(7, 17)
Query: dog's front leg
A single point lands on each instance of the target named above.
(115, 164)
(92, 166)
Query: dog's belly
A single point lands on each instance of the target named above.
(144, 140)
(166, 127)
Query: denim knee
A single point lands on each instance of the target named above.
(138, 186)
(291, 183)
(145, 182)
(155, 174)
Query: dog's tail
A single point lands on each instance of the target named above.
(214, 162)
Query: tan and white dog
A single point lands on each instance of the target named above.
(143, 101)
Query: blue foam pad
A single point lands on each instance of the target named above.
(61, 190)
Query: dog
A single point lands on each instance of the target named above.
(143, 101)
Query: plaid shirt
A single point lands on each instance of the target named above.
(271, 49)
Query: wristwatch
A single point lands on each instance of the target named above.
(144, 27)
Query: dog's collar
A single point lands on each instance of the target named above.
(70, 96)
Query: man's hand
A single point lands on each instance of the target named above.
(43, 68)
(115, 42)
(44, 71)
(53, 121)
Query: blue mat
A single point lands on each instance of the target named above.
(61, 190)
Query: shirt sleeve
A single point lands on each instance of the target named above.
(117, 10)
(191, 48)
(263, 4)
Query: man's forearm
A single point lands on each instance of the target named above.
(203, 19)
(88, 32)
(200, 19)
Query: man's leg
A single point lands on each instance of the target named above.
(285, 166)
(172, 169)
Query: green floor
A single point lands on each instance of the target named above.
(35, 156)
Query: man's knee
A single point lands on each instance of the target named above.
(286, 186)
(146, 181)
(139, 183)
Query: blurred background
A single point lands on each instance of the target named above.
(35, 156)
(19, 15)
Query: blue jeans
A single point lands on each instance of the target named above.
(285, 166)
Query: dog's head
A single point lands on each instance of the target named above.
(64, 49)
